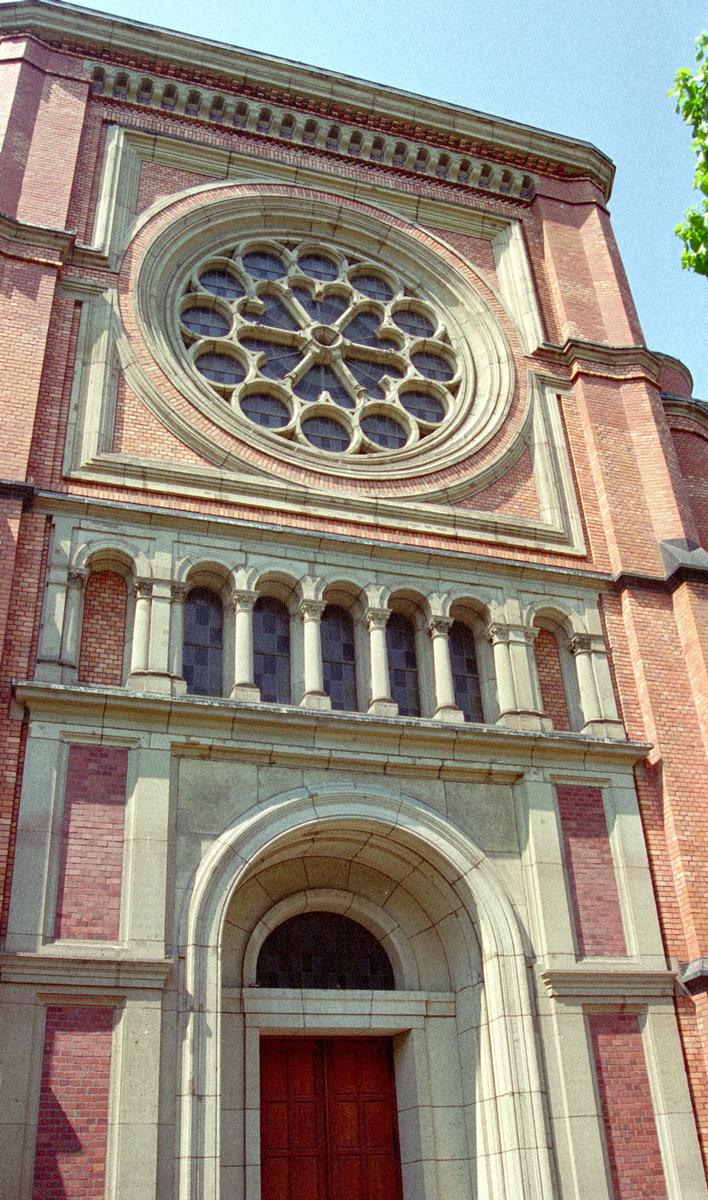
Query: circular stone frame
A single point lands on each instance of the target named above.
(431, 267)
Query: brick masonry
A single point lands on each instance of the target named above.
(590, 871)
(632, 1143)
(550, 678)
(103, 629)
(72, 1126)
(639, 478)
(88, 898)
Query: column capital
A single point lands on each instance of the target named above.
(178, 592)
(243, 600)
(142, 588)
(377, 618)
(76, 578)
(311, 610)
(581, 643)
(497, 631)
(439, 626)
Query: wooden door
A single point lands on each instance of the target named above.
(328, 1120)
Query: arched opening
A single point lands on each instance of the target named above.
(465, 671)
(271, 649)
(435, 904)
(203, 642)
(403, 665)
(323, 950)
(339, 657)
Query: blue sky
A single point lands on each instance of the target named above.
(598, 70)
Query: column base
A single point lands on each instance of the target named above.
(383, 708)
(449, 712)
(611, 730)
(246, 693)
(316, 700)
(157, 683)
(525, 722)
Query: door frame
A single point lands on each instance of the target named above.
(406, 1018)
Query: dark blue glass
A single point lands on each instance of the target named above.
(323, 950)
(265, 410)
(205, 322)
(318, 266)
(432, 366)
(321, 378)
(372, 285)
(414, 323)
(403, 665)
(280, 359)
(384, 431)
(326, 434)
(262, 265)
(465, 673)
(221, 282)
(423, 406)
(221, 368)
(326, 311)
(271, 650)
(339, 658)
(203, 642)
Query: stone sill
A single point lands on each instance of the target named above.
(85, 970)
(192, 724)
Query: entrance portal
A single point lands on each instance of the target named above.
(328, 1119)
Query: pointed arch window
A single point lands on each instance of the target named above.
(203, 642)
(403, 665)
(465, 672)
(271, 649)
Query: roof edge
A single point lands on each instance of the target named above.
(54, 19)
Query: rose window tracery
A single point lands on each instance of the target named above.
(328, 349)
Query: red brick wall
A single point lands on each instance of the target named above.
(91, 865)
(550, 678)
(103, 629)
(72, 1128)
(591, 872)
(625, 1100)
(692, 454)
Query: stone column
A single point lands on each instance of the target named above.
(517, 683)
(445, 707)
(381, 703)
(71, 627)
(595, 687)
(139, 657)
(178, 595)
(315, 695)
(244, 687)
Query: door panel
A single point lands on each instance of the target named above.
(328, 1120)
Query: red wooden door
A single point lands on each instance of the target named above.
(328, 1120)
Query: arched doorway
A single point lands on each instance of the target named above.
(457, 1021)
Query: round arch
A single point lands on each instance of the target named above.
(523, 1162)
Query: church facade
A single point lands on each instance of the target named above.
(353, 836)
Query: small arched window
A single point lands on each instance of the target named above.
(339, 658)
(465, 673)
(203, 642)
(403, 665)
(323, 950)
(169, 98)
(271, 650)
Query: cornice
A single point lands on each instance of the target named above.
(17, 489)
(287, 735)
(62, 970)
(577, 357)
(619, 982)
(37, 238)
(75, 29)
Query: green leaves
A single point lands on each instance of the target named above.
(691, 92)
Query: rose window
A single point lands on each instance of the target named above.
(329, 350)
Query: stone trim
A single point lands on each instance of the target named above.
(613, 985)
(201, 62)
(62, 970)
(399, 745)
